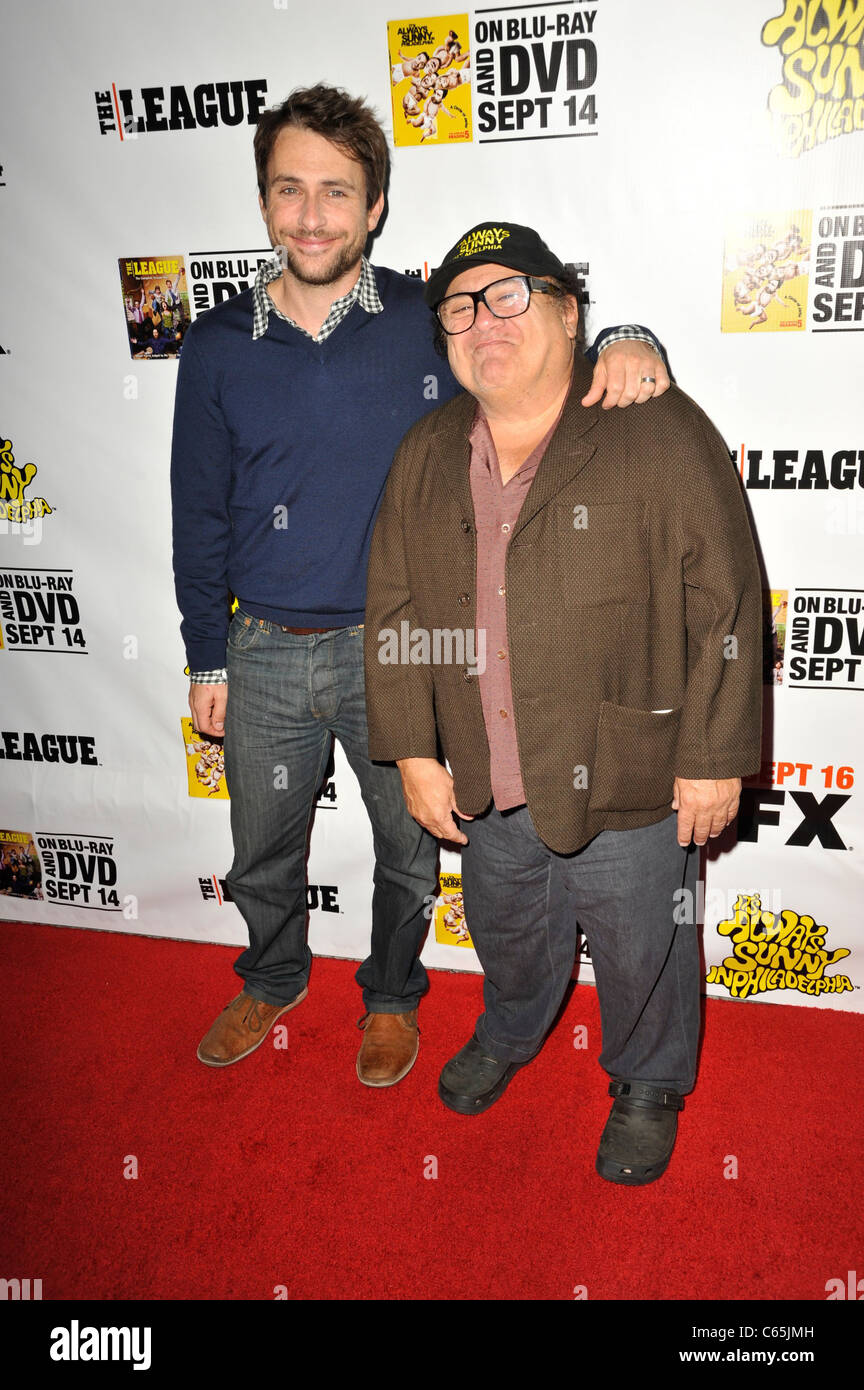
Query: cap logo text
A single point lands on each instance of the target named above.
(484, 239)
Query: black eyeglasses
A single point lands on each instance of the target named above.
(505, 299)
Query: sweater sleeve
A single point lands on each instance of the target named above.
(200, 486)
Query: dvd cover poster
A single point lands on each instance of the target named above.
(430, 75)
(156, 304)
(450, 925)
(775, 608)
(766, 269)
(20, 868)
(205, 763)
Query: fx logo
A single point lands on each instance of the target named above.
(817, 816)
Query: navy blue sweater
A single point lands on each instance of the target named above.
(281, 451)
(280, 456)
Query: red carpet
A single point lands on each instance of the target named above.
(284, 1171)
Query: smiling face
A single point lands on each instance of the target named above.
(316, 208)
(530, 355)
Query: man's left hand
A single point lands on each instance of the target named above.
(621, 371)
(704, 807)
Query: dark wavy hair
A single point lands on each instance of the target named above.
(344, 120)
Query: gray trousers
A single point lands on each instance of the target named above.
(522, 906)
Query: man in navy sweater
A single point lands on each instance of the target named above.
(291, 400)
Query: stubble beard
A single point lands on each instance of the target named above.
(328, 272)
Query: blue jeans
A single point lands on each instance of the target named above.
(287, 695)
(523, 904)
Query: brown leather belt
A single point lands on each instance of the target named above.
(307, 631)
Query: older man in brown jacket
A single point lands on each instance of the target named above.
(566, 602)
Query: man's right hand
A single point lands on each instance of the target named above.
(208, 704)
(428, 791)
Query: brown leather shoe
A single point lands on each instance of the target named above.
(240, 1028)
(389, 1048)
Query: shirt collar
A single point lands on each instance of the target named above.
(364, 292)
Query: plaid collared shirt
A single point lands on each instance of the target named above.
(364, 292)
(627, 333)
(208, 677)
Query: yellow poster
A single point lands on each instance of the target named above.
(775, 609)
(205, 763)
(766, 267)
(20, 869)
(430, 73)
(450, 928)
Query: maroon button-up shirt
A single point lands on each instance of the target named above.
(496, 510)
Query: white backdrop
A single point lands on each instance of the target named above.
(666, 185)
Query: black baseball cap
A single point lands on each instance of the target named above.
(495, 243)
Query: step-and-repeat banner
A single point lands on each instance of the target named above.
(703, 163)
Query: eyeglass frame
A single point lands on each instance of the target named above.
(532, 283)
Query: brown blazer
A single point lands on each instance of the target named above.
(632, 588)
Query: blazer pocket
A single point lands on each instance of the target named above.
(634, 759)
